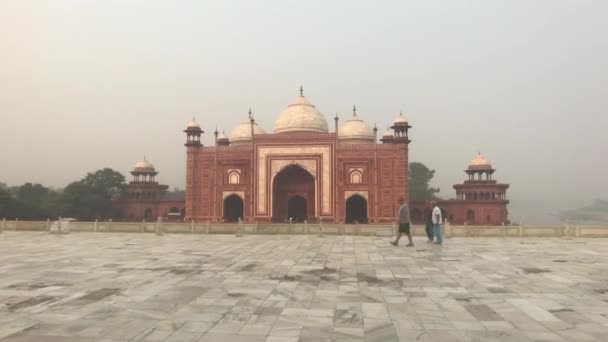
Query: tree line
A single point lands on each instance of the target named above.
(86, 199)
(91, 197)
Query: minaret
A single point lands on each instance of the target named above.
(401, 127)
(336, 124)
(375, 134)
(253, 169)
(193, 147)
(251, 123)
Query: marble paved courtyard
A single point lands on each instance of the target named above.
(142, 287)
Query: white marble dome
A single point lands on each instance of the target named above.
(300, 116)
(355, 129)
(401, 119)
(242, 132)
(193, 124)
(388, 134)
(144, 166)
(480, 162)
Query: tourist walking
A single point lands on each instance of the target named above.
(403, 218)
(428, 221)
(437, 220)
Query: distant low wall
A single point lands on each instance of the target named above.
(301, 228)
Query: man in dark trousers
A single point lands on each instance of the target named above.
(428, 221)
(403, 217)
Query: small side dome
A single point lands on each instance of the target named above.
(144, 166)
(355, 130)
(242, 132)
(222, 136)
(387, 137)
(480, 162)
(222, 139)
(388, 134)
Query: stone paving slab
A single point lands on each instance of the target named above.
(135, 287)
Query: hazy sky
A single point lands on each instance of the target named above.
(92, 84)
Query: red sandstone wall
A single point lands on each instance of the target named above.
(457, 212)
(385, 177)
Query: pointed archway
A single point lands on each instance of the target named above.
(297, 208)
(148, 214)
(233, 208)
(356, 209)
(470, 217)
(293, 193)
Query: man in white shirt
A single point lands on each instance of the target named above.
(437, 221)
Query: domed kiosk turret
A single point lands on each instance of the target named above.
(480, 166)
(301, 116)
(355, 130)
(401, 127)
(143, 171)
(193, 134)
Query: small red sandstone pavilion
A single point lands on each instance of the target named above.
(480, 200)
(145, 199)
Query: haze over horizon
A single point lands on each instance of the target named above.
(87, 85)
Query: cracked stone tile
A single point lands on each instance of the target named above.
(301, 287)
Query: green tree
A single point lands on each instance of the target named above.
(32, 201)
(420, 176)
(91, 197)
(106, 181)
(7, 204)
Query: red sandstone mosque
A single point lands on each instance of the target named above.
(302, 172)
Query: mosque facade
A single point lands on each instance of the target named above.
(299, 172)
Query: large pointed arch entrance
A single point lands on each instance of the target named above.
(297, 208)
(293, 195)
(356, 209)
(233, 208)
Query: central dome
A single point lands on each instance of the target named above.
(300, 116)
